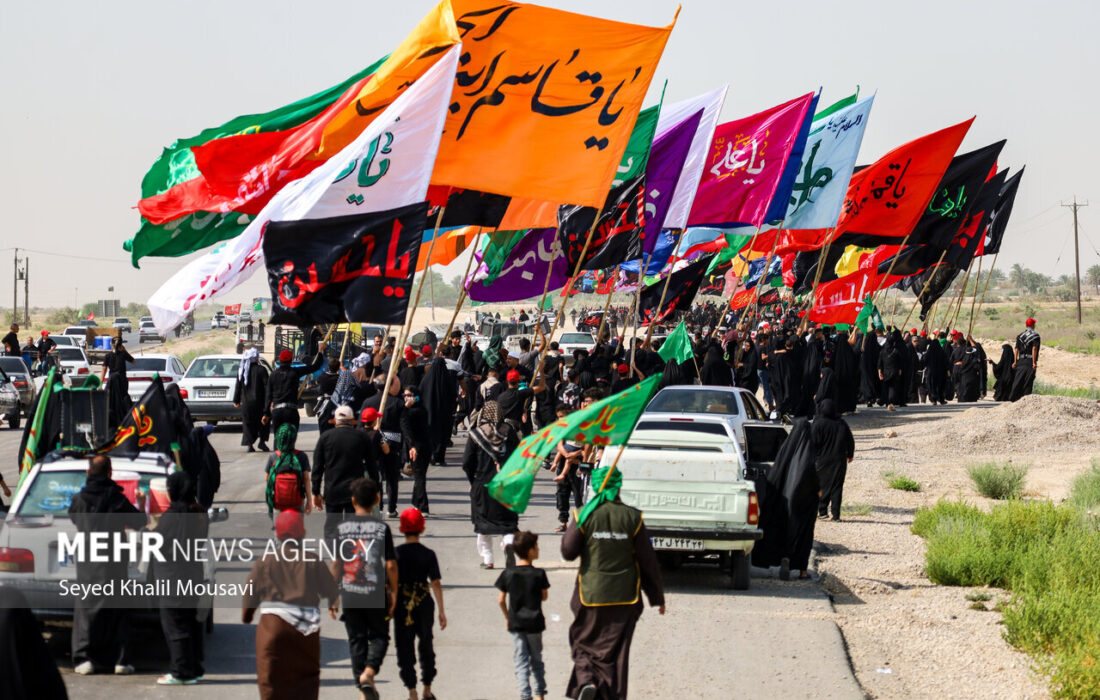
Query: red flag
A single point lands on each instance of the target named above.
(91, 316)
(742, 299)
(887, 198)
(839, 300)
(233, 310)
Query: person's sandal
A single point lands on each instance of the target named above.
(560, 528)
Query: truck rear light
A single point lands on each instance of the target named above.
(82, 370)
(183, 393)
(19, 561)
(682, 420)
(754, 508)
(20, 384)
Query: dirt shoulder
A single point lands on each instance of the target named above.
(907, 636)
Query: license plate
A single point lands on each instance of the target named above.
(680, 543)
(210, 393)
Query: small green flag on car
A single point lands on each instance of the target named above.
(607, 422)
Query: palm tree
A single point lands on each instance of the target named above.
(1018, 276)
(1092, 275)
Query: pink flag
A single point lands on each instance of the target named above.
(745, 164)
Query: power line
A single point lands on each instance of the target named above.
(88, 257)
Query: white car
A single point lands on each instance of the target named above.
(149, 332)
(74, 363)
(568, 342)
(123, 324)
(66, 341)
(29, 534)
(684, 404)
(140, 372)
(208, 386)
(77, 333)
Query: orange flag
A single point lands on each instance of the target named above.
(448, 246)
(544, 101)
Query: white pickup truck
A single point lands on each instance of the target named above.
(696, 490)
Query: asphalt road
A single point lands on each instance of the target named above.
(777, 639)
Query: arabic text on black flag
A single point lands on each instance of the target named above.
(355, 268)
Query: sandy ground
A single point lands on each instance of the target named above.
(908, 637)
(1059, 367)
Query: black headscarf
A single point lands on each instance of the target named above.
(715, 371)
(26, 664)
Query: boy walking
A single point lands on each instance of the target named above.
(522, 590)
(366, 566)
(417, 574)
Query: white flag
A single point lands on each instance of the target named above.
(827, 165)
(387, 166)
(671, 115)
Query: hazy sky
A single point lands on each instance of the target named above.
(93, 91)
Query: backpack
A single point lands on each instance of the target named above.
(285, 489)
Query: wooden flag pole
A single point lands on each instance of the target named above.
(549, 272)
(568, 290)
(962, 293)
(465, 280)
(974, 298)
(603, 319)
(406, 327)
(987, 278)
(344, 345)
(817, 280)
(661, 303)
(924, 290)
(763, 276)
(634, 314)
(950, 306)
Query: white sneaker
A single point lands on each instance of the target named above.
(124, 670)
(84, 668)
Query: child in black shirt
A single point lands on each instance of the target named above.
(417, 572)
(523, 588)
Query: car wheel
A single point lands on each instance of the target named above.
(13, 420)
(739, 571)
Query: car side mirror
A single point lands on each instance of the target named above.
(217, 515)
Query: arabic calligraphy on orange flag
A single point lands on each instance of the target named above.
(544, 101)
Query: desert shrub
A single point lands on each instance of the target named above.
(998, 481)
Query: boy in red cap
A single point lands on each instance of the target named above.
(418, 580)
(281, 399)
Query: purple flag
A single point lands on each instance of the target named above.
(524, 273)
(666, 161)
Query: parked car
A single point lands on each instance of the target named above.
(77, 333)
(16, 368)
(684, 404)
(68, 341)
(568, 342)
(696, 486)
(149, 332)
(123, 324)
(9, 400)
(208, 386)
(140, 372)
(29, 534)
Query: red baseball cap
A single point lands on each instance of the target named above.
(624, 369)
(412, 521)
(512, 376)
(369, 415)
(285, 356)
(1030, 323)
(426, 350)
(410, 355)
(290, 524)
(45, 332)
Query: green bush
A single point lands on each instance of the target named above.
(998, 481)
(904, 483)
(1085, 492)
(1046, 556)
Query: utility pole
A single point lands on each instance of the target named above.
(1076, 253)
(15, 286)
(27, 291)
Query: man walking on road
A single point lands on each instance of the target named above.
(282, 388)
(341, 456)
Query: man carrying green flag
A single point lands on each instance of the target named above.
(677, 345)
(604, 423)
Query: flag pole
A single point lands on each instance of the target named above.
(568, 290)
(406, 327)
(668, 278)
(465, 280)
(974, 298)
(603, 319)
(764, 274)
(634, 314)
(817, 278)
(549, 272)
(924, 290)
(962, 292)
(987, 278)
(950, 305)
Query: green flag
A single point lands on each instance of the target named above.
(868, 316)
(33, 444)
(733, 245)
(636, 155)
(176, 165)
(494, 253)
(606, 422)
(677, 345)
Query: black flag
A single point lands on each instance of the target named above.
(998, 219)
(682, 287)
(965, 244)
(148, 426)
(468, 208)
(617, 237)
(356, 268)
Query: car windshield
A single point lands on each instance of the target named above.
(52, 492)
(122, 320)
(13, 365)
(70, 354)
(576, 338)
(146, 364)
(213, 367)
(75, 330)
(696, 401)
